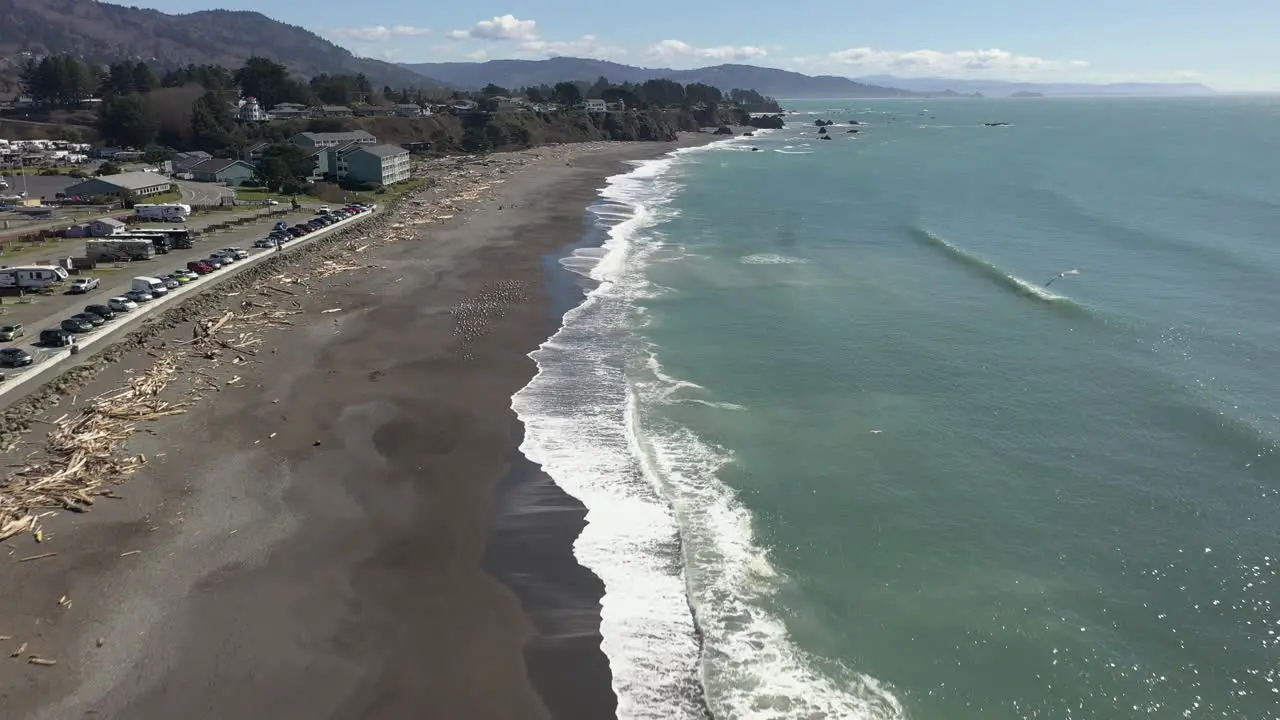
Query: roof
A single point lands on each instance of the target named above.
(110, 222)
(338, 136)
(130, 180)
(193, 154)
(407, 106)
(258, 146)
(335, 108)
(383, 150)
(216, 165)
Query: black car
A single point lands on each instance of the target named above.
(55, 337)
(15, 357)
(101, 311)
(92, 318)
(76, 325)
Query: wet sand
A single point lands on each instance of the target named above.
(347, 530)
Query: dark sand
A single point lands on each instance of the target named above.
(387, 554)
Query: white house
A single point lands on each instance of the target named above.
(251, 111)
(595, 106)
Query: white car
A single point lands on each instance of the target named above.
(235, 252)
(273, 202)
(80, 286)
(122, 305)
(265, 243)
(323, 210)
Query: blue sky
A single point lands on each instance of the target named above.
(1229, 44)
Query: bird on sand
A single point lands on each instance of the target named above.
(1064, 273)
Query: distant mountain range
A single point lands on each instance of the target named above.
(1003, 88)
(768, 81)
(104, 32)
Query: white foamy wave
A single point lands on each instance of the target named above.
(793, 152)
(663, 533)
(771, 259)
(1039, 291)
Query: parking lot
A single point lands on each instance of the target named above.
(40, 312)
(38, 186)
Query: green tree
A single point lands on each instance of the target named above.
(495, 91)
(284, 162)
(597, 88)
(568, 94)
(270, 83)
(695, 93)
(58, 80)
(108, 168)
(143, 79)
(475, 139)
(662, 92)
(118, 79)
(534, 95)
(128, 121)
(212, 127)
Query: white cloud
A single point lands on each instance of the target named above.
(669, 50)
(379, 33)
(480, 54)
(934, 62)
(502, 27)
(587, 46)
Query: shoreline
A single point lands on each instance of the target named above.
(320, 553)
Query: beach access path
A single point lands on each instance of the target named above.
(312, 536)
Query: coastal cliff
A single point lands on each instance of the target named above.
(515, 130)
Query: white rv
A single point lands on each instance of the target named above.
(31, 277)
(167, 212)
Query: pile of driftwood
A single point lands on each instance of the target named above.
(81, 459)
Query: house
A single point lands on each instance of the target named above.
(408, 110)
(105, 226)
(376, 111)
(253, 154)
(595, 106)
(222, 170)
(289, 111)
(122, 185)
(463, 106)
(332, 111)
(325, 140)
(184, 161)
(379, 164)
(251, 111)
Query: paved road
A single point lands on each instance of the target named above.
(195, 193)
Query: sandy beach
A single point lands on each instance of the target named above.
(338, 523)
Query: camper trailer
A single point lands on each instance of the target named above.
(31, 277)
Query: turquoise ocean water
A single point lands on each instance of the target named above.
(845, 456)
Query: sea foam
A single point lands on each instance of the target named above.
(669, 540)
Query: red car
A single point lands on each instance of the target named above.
(199, 268)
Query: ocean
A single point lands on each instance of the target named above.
(845, 455)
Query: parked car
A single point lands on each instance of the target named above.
(10, 332)
(266, 242)
(91, 318)
(170, 282)
(82, 285)
(101, 311)
(122, 304)
(323, 209)
(55, 337)
(282, 225)
(178, 279)
(223, 257)
(239, 253)
(214, 262)
(77, 325)
(188, 274)
(15, 357)
(139, 296)
(199, 267)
